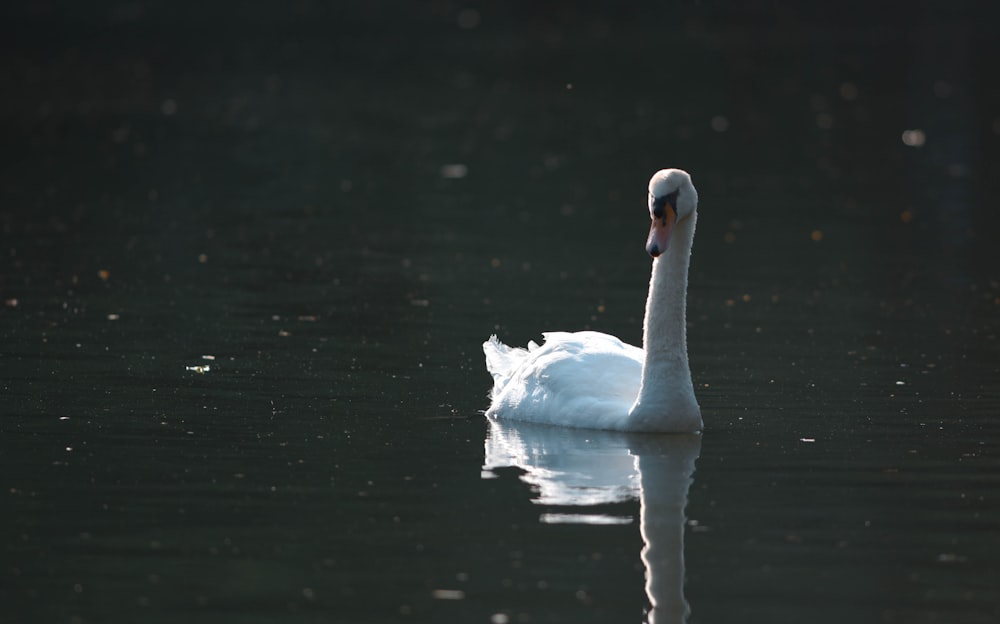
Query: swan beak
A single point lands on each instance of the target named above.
(659, 232)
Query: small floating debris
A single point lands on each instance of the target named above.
(592, 519)
(208, 357)
(201, 369)
(951, 558)
(113, 317)
(807, 439)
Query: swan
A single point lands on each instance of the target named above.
(593, 380)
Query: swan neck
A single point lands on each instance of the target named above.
(665, 325)
(666, 400)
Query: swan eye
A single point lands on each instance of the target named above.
(660, 204)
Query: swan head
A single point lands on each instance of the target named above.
(672, 200)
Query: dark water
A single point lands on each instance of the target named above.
(329, 209)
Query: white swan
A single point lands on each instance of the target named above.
(593, 380)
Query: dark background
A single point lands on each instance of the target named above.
(339, 202)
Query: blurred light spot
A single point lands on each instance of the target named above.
(495, 263)
(499, 618)
(942, 89)
(454, 171)
(816, 235)
(720, 123)
(849, 91)
(169, 107)
(468, 18)
(308, 593)
(202, 258)
(906, 216)
(346, 185)
(569, 86)
(448, 594)
(914, 138)
(729, 237)
(11, 303)
(104, 274)
(113, 317)
(284, 333)
(745, 298)
(824, 121)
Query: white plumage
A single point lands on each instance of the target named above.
(594, 380)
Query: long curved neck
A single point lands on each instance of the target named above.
(664, 328)
(666, 400)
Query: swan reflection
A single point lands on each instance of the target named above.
(583, 468)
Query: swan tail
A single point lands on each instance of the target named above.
(501, 360)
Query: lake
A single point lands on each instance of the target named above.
(251, 257)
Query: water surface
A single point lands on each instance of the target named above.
(251, 259)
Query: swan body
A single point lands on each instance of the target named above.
(594, 380)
